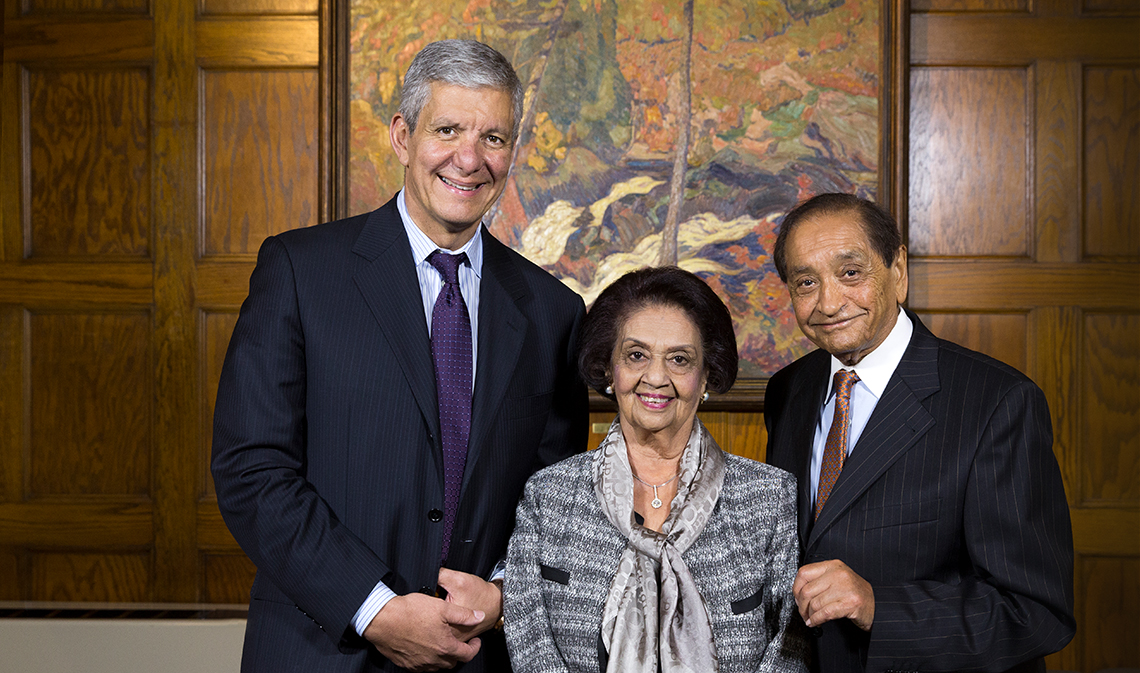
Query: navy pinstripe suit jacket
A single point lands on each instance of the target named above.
(951, 505)
(327, 457)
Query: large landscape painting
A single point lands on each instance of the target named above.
(654, 132)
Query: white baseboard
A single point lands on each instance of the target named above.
(121, 645)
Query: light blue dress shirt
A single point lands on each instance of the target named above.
(874, 370)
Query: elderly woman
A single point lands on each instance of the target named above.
(656, 552)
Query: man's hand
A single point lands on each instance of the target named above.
(830, 590)
(475, 593)
(419, 632)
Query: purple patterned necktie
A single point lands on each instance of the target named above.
(835, 449)
(451, 355)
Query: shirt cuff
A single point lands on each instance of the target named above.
(376, 600)
(499, 572)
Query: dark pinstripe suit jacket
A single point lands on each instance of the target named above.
(951, 505)
(327, 458)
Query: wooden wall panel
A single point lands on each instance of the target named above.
(999, 335)
(743, 434)
(969, 179)
(9, 575)
(216, 330)
(260, 7)
(1123, 7)
(259, 139)
(88, 140)
(91, 404)
(227, 578)
(118, 117)
(1056, 161)
(1076, 281)
(94, 6)
(969, 6)
(76, 576)
(740, 433)
(1111, 409)
(1108, 605)
(12, 402)
(1111, 170)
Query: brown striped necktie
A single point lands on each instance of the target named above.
(835, 450)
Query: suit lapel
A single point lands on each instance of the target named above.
(502, 330)
(898, 421)
(807, 396)
(392, 292)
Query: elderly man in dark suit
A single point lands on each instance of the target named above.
(393, 380)
(934, 528)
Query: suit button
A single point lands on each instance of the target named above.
(435, 515)
(817, 631)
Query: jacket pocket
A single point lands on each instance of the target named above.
(747, 604)
(530, 405)
(902, 514)
(554, 574)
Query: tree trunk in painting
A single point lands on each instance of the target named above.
(681, 158)
(530, 93)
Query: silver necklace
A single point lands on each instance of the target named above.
(656, 503)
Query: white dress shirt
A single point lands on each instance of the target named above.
(874, 370)
(431, 281)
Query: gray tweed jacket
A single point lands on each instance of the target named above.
(564, 553)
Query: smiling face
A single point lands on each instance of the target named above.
(658, 372)
(845, 299)
(456, 160)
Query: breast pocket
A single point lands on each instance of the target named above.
(525, 407)
(914, 531)
(902, 514)
(554, 574)
(747, 604)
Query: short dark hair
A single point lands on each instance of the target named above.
(464, 63)
(878, 224)
(658, 286)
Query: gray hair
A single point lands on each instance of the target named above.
(464, 63)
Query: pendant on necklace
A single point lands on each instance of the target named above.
(656, 503)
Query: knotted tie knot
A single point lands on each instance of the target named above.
(447, 265)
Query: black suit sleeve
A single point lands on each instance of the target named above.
(259, 458)
(568, 422)
(1016, 601)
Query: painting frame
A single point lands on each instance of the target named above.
(747, 395)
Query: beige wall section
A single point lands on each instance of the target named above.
(121, 645)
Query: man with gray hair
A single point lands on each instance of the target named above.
(393, 380)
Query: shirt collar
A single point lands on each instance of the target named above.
(877, 367)
(422, 246)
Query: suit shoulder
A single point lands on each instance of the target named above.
(791, 372)
(335, 235)
(784, 382)
(562, 472)
(741, 472)
(957, 358)
(538, 279)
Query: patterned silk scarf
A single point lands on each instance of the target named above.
(647, 619)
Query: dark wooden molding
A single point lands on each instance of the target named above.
(120, 611)
(894, 109)
(334, 97)
(746, 395)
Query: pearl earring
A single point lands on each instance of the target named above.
(705, 397)
(609, 390)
